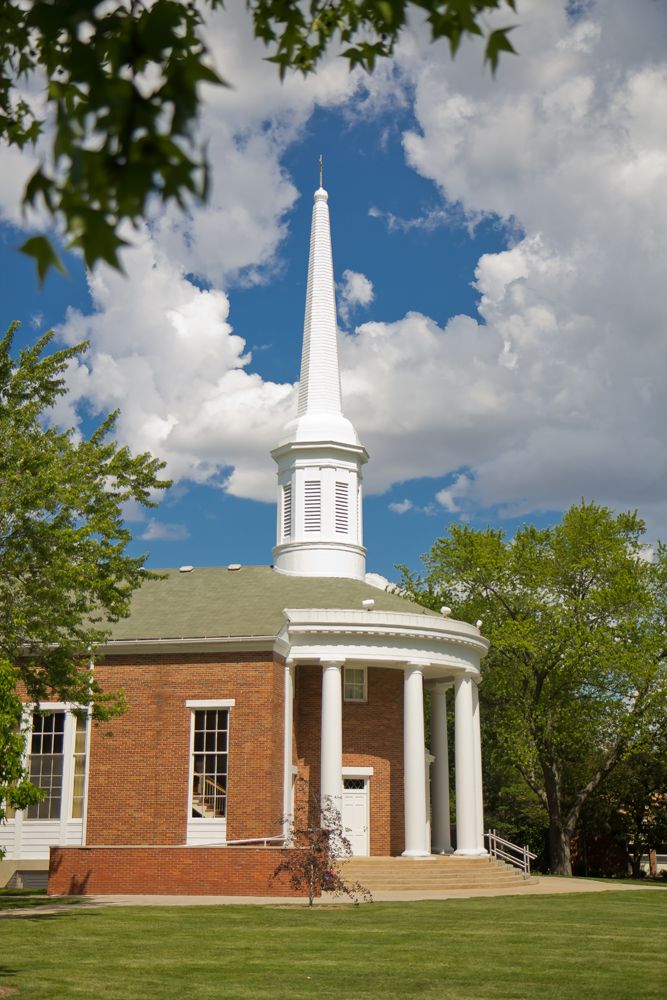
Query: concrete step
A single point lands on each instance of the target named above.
(384, 874)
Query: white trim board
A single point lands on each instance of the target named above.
(210, 703)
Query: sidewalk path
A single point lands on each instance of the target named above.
(539, 886)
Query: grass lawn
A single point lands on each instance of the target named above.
(22, 899)
(577, 947)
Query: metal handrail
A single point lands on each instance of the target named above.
(521, 857)
(279, 838)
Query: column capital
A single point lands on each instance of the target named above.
(325, 662)
(420, 665)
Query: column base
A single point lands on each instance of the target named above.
(422, 855)
(472, 852)
(442, 850)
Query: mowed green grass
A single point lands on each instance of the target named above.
(610, 945)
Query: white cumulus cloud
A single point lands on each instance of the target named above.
(353, 291)
(553, 391)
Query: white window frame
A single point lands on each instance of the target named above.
(69, 711)
(31, 838)
(356, 701)
(201, 829)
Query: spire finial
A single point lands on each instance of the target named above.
(321, 165)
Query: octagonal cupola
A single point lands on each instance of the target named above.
(319, 457)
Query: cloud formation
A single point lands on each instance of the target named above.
(353, 291)
(554, 391)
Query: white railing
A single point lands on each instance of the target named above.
(505, 850)
(264, 841)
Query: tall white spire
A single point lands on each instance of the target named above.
(319, 387)
(319, 458)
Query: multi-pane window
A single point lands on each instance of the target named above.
(79, 766)
(342, 508)
(312, 515)
(209, 763)
(47, 757)
(354, 688)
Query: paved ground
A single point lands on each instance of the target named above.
(536, 887)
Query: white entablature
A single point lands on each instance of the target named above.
(319, 458)
(445, 648)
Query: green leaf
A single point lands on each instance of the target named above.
(41, 248)
(498, 42)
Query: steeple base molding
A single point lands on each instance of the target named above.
(320, 558)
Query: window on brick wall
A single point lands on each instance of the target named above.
(355, 684)
(46, 765)
(210, 741)
(79, 765)
(57, 763)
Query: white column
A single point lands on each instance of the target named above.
(331, 747)
(414, 779)
(440, 825)
(466, 784)
(477, 735)
(287, 748)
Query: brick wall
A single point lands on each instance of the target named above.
(192, 871)
(372, 737)
(139, 762)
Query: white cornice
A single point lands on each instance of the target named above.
(327, 621)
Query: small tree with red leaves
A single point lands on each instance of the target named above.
(315, 852)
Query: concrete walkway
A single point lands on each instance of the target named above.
(539, 886)
(535, 887)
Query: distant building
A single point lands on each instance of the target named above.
(239, 679)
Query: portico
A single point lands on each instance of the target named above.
(434, 654)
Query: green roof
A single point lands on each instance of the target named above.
(216, 602)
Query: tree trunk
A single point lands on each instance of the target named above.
(559, 848)
(559, 836)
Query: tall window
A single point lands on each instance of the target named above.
(354, 687)
(79, 765)
(47, 756)
(209, 763)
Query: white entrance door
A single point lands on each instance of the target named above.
(355, 814)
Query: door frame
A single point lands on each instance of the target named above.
(365, 773)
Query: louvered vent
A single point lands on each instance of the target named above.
(287, 511)
(313, 505)
(342, 508)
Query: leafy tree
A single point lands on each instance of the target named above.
(120, 86)
(16, 792)
(64, 570)
(316, 847)
(634, 802)
(575, 677)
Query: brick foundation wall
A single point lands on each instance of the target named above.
(187, 871)
(139, 762)
(372, 737)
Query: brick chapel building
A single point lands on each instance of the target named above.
(240, 680)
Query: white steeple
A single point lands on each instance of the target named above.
(320, 457)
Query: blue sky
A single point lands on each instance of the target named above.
(511, 358)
